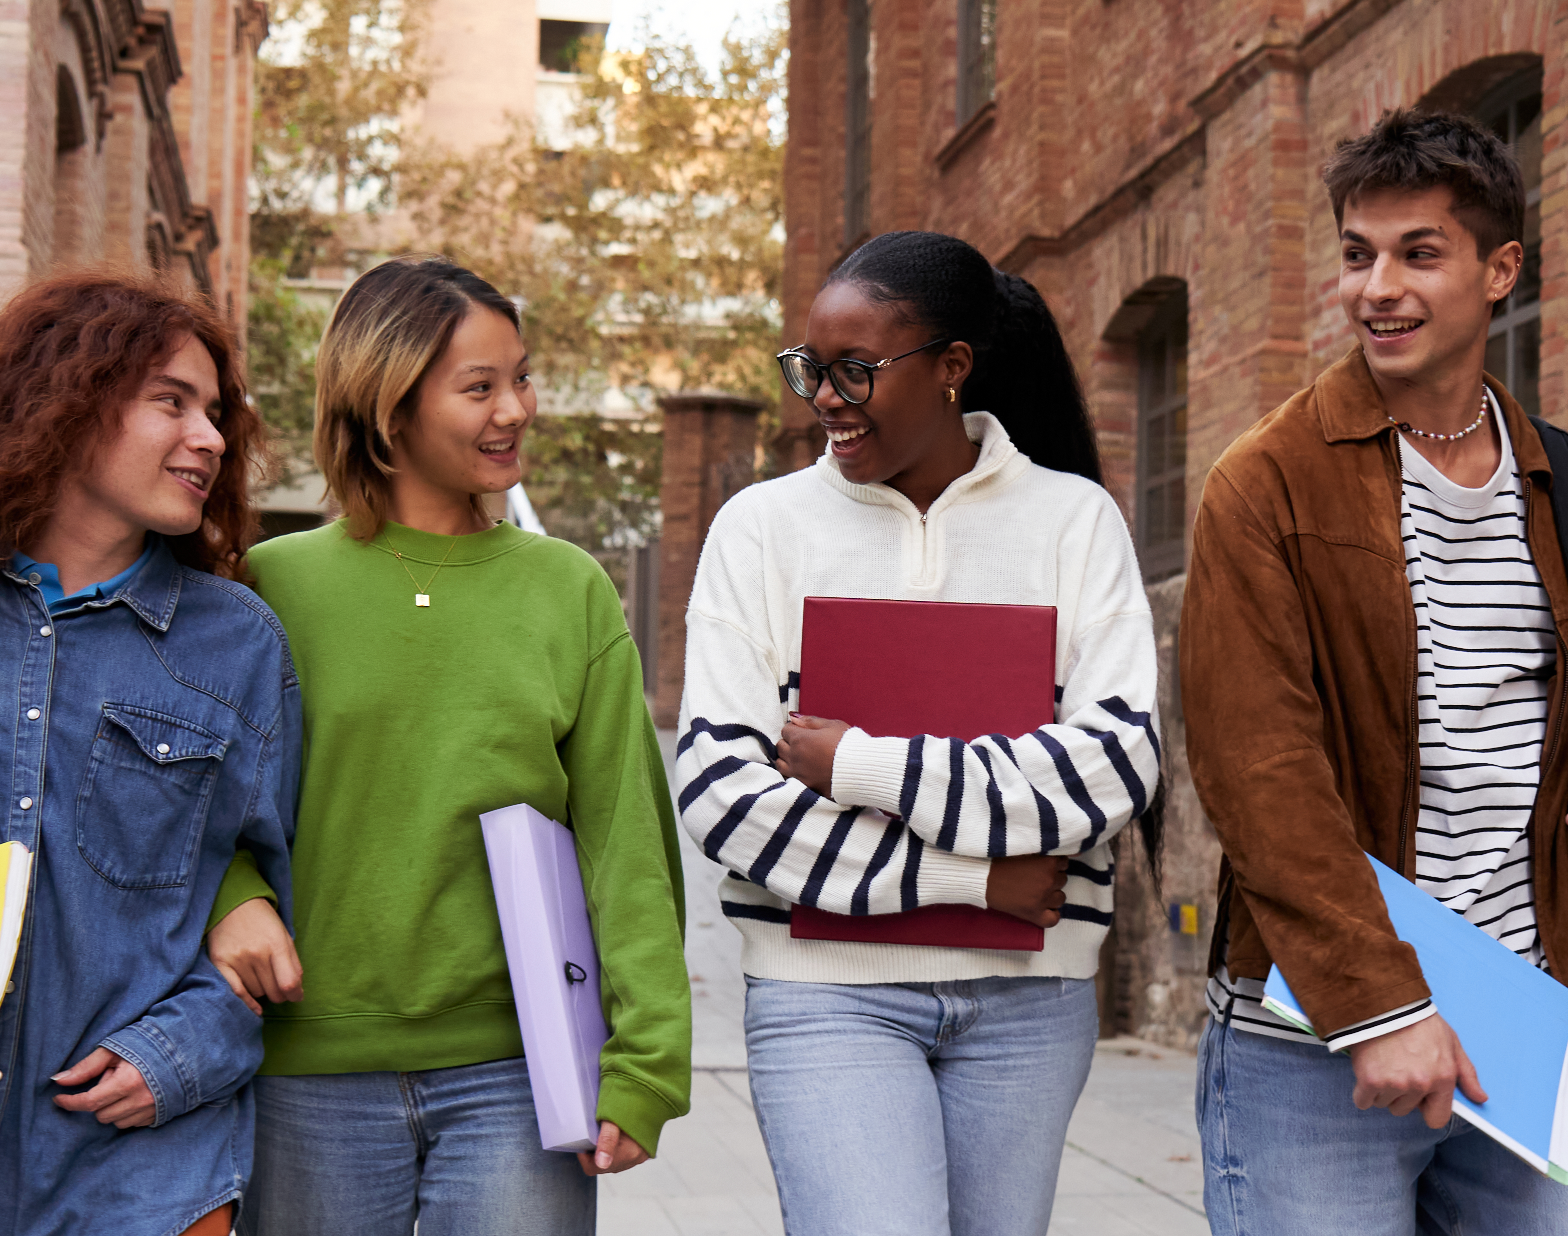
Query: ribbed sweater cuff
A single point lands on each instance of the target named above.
(869, 772)
(951, 879)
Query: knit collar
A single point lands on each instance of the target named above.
(999, 461)
(430, 548)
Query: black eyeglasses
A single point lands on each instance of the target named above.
(850, 378)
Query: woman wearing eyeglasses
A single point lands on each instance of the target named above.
(908, 1089)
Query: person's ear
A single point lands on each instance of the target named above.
(957, 363)
(1502, 270)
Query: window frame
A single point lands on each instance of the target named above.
(857, 122)
(1166, 333)
(1511, 317)
(976, 57)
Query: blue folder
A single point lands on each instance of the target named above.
(1511, 1018)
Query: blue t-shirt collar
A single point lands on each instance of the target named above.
(45, 576)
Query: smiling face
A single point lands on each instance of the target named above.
(908, 425)
(156, 472)
(474, 403)
(1417, 294)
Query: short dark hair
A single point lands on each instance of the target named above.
(1022, 375)
(1414, 150)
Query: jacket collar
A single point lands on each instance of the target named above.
(155, 589)
(1351, 408)
(998, 457)
(152, 592)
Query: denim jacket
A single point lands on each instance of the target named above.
(148, 733)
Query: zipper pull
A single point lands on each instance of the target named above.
(923, 515)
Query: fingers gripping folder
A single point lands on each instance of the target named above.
(1511, 1019)
(554, 967)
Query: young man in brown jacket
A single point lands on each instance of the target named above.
(1370, 646)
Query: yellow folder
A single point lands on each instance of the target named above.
(16, 866)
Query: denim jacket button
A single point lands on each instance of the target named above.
(35, 578)
(33, 714)
(163, 748)
(46, 632)
(25, 804)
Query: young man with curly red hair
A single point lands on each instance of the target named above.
(1371, 665)
(150, 718)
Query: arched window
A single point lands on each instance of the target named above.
(1161, 501)
(857, 123)
(1513, 350)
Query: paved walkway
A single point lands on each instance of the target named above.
(1131, 1167)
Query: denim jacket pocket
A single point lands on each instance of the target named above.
(144, 797)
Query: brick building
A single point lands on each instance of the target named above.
(127, 139)
(1152, 167)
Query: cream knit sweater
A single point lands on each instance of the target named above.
(1007, 532)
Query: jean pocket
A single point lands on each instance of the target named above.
(144, 797)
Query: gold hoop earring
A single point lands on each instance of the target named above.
(952, 395)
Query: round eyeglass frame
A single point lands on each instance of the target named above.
(836, 371)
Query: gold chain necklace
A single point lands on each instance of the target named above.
(421, 595)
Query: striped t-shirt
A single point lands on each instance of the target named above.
(1485, 651)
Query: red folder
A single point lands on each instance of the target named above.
(901, 668)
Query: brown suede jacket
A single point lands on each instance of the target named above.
(1298, 669)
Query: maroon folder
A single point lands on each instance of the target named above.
(901, 668)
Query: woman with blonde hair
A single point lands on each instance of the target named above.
(449, 666)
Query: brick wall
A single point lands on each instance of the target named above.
(158, 177)
(1134, 146)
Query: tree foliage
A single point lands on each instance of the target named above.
(284, 330)
(647, 244)
(331, 86)
(330, 89)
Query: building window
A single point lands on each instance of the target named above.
(976, 56)
(561, 42)
(70, 169)
(1162, 440)
(1513, 350)
(857, 124)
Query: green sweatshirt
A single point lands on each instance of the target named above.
(519, 683)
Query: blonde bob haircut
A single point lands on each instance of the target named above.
(390, 327)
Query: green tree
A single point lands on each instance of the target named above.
(330, 89)
(646, 249)
(283, 333)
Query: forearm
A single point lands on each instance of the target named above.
(198, 1045)
(1063, 788)
(1266, 782)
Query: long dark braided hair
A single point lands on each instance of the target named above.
(1022, 375)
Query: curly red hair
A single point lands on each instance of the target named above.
(74, 350)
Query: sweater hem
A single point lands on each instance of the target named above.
(1072, 950)
(391, 1042)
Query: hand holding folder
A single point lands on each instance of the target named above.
(554, 967)
(1511, 1019)
(902, 668)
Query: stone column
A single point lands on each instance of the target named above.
(710, 450)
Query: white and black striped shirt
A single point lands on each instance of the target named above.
(1485, 651)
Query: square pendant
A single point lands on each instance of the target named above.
(422, 599)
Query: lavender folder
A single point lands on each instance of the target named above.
(554, 967)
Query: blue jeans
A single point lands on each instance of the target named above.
(1286, 1153)
(918, 1109)
(365, 1154)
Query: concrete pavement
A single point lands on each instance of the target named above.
(1131, 1168)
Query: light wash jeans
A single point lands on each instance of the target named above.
(365, 1154)
(918, 1109)
(1286, 1153)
